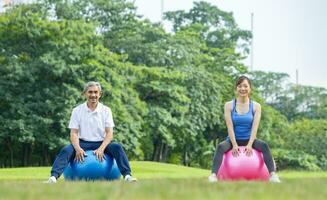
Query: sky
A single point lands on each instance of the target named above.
(289, 35)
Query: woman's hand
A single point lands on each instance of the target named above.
(248, 150)
(79, 156)
(99, 154)
(235, 150)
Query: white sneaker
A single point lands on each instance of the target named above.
(130, 179)
(274, 178)
(51, 180)
(212, 178)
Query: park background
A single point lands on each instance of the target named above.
(166, 88)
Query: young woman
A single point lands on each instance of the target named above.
(242, 116)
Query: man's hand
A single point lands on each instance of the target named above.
(99, 154)
(248, 150)
(80, 154)
(235, 150)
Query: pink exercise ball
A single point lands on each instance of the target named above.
(243, 167)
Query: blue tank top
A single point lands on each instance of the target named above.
(242, 123)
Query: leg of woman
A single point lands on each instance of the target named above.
(267, 157)
(218, 158)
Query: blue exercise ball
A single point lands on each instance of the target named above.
(114, 173)
(91, 168)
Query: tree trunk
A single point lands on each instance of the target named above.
(45, 156)
(185, 157)
(165, 153)
(161, 149)
(27, 150)
(24, 160)
(11, 156)
(156, 150)
(9, 145)
(30, 153)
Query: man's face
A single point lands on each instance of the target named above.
(93, 94)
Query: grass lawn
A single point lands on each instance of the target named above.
(160, 181)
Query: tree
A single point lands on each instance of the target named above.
(167, 103)
(270, 85)
(309, 136)
(44, 66)
(220, 31)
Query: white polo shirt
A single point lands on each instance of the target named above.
(91, 124)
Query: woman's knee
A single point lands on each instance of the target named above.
(262, 145)
(223, 147)
(265, 145)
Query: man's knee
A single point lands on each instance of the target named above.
(115, 147)
(67, 150)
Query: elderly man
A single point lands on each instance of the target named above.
(91, 128)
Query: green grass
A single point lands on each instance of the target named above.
(160, 181)
(141, 170)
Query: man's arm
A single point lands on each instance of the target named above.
(80, 153)
(107, 139)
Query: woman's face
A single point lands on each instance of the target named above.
(243, 89)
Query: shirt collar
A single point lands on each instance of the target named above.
(97, 109)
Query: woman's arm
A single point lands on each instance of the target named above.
(230, 128)
(256, 122)
(229, 122)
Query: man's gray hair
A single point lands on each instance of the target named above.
(90, 84)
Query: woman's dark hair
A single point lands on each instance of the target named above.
(241, 79)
